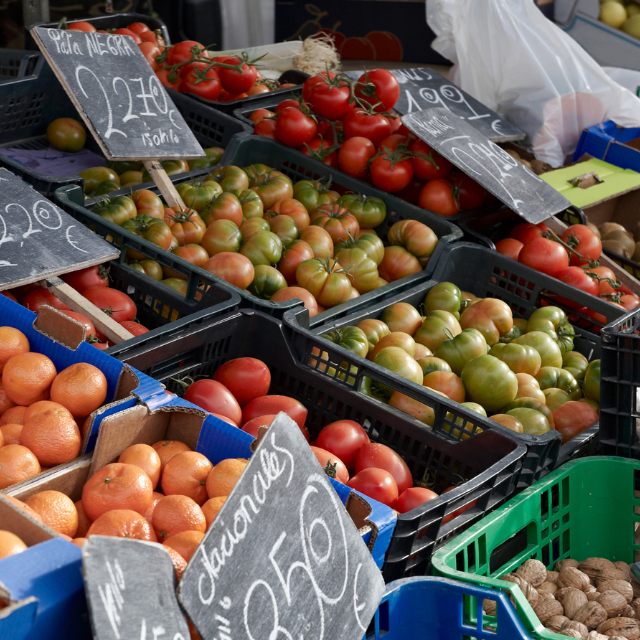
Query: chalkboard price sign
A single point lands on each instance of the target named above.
(282, 558)
(39, 240)
(498, 172)
(130, 587)
(118, 95)
(423, 88)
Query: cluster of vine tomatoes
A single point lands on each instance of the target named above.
(348, 125)
(572, 258)
(238, 393)
(93, 284)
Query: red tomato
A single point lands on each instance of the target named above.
(260, 114)
(413, 497)
(9, 295)
(102, 346)
(457, 512)
(389, 174)
(424, 168)
(184, 51)
(605, 277)
(134, 328)
(235, 81)
(225, 419)
(289, 102)
(274, 405)
(192, 82)
(354, 156)
(360, 124)
(411, 193)
(96, 276)
(525, 231)
(150, 50)
(322, 151)
(328, 460)
(253, 426)
(37, 298)
(313, 81)
(470, 194)
(128, 32)
(343, 438)
(576, 277)
(589, 245)
(150, 36)
(293, 128)
(330, 102)
(573, 417)
(377, 484)
(437, 196)
(81, 25)
(246, 378)
(78, 317)
(113, 302)
(630, 301)
(214, 397)
(380, 89)
(544, 255)
(509, 247)
(163, 76)
(374, 454)
(138, 27)
(266, 127)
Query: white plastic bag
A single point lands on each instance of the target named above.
(517, 62)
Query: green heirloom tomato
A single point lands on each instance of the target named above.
(95, 175)
(269, 184)
(592, 381)
(285, 228)
(400, 362)
(530, 403)
(575, 363)
(150, 268)
(367, 242)
(402, 316)
(459, 350)
(172, 167)
(197, 196)
(556, 378)
(468, 428)
(529, 387)
(212, 157)
(262, 248)
(313, 193)
(224, 206)
(374, 330)
(519, 329)
(445, 296)
(520, 358)
(122, 166)
(430, 364)
(230, 178)
(489, 382)
(105, 187)
(432, 331)
(251, 204)
(550, 355)
(252, 226)
(490, 316)
(591, 403)
(415, 237)
(553, 321)
(362, 270)
(325, 280)
(266, 281)
(368, 211)
(349, 338)
(221, 236)
(117, 210)
(151, 229)
(555, 398)
(533, 422)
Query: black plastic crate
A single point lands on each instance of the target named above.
(265, 101)
(486, 274)
(17, 63)
(112, 21)
(489, 465)
(620, 387)
(27, 107)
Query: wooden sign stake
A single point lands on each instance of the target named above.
(106, 325)
(164, 184)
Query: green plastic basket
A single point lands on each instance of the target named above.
(586, 508)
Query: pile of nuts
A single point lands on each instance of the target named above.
(595, 599)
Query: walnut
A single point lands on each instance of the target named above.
(593, 595)
(489, 607)
(625, 627)
(624, 567)
(628, 612)
(612, 574)
(593, 566)
(572, 602)
(594, 635)
(552, 576)
(560, 594)
(635, 585)
(591, 615)
(572, 577)
(575, 626)
(512, 577)
(563, 564)
(545, 595)
(549, 587)
(530, 594)
(590, 589)
(546, 609)
(572, 633)
(555, 623)
(533, 571)
(613, 602)
(621, 586)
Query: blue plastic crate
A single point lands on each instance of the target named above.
(609, 142)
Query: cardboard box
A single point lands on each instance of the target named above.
(611, 143)
(179, 420)
(61, 339)
(609, 47)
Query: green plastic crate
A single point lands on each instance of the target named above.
(586, 508)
